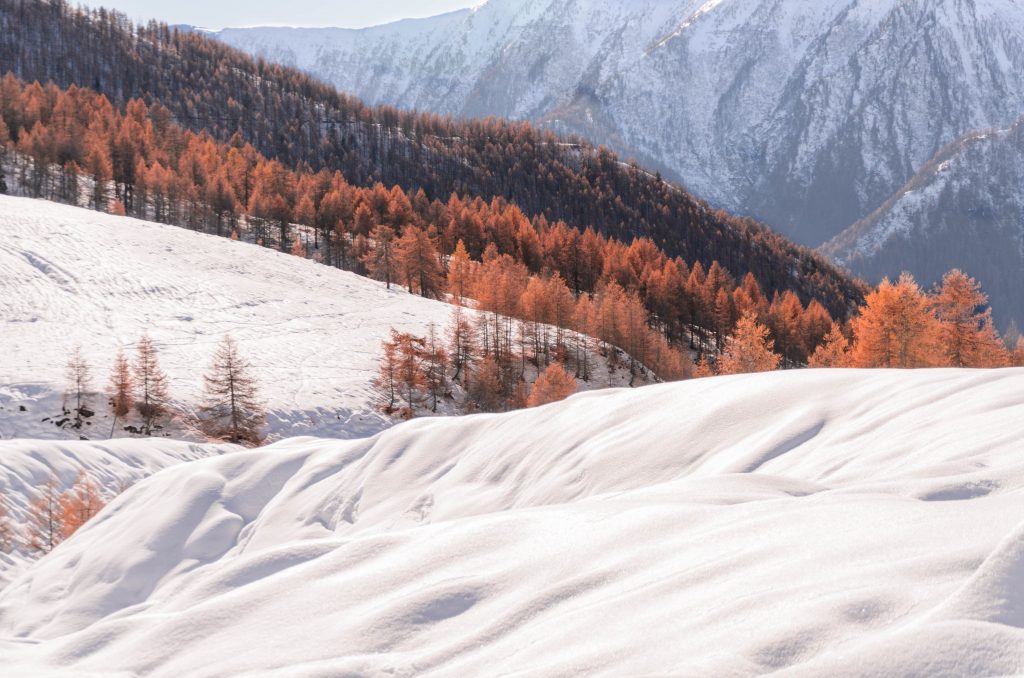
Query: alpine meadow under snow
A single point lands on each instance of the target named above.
(814, 523)
(72, 277)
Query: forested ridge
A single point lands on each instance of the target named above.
(290, 117)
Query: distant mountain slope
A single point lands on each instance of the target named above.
(807, 115)
(207, 85)
(70, 276)
(965, 209)
(716, 527)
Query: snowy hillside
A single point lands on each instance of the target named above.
(71, 276)
(968, 200)
(806, 114)
(26, 466)
(822, 523)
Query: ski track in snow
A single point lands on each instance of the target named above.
(837, 522)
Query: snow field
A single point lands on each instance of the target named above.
(815, 522)
(71, 276)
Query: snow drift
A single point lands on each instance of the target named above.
(26, 466)
(832, 522)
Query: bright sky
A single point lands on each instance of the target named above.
(238, 13)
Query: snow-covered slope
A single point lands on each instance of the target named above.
(26, 466)
(805, 113)
(71, 276)
(964, 209)
(820, 523)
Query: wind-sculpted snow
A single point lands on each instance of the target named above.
(816, 522)
(71, 276)
(28, 466)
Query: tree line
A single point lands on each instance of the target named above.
(900, 326)
(201, 84)
(63, 144)
(231, 409)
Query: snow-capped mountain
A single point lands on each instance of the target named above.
(807, 114)
(845, 523)
(965, 209)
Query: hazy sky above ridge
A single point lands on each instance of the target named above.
(237, 13)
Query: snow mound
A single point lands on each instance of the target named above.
(113, 466)
(72, 276)
(809, 522)
(996, 591)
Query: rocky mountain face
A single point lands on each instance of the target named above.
(807, 114)
(964, 209)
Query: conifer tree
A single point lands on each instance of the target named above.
(79, 381)
(461, 342)
(553, 384)
(232, 409)
(1017, 358)
(486, 391)
(386, 381)
(79, 504)
(411, 379)
(750, 350)
(460, 273)
(833, 351)
(150, 385)
(417, 261)
(584, 320)
(435, 367)
(45, 527)
(704, 368)
(895, 328)
(965, 334)
(120, 390)
(380, 259)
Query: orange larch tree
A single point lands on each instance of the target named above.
(79, 504)
(896, 328)
(45, 527)
(966, 337)
(750, 350)
(119, 390)
(553, 384)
